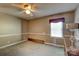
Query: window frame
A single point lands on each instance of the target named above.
(62, 28)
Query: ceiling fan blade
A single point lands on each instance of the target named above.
(22, 12)
(35, 11)
(31, 14)
(20, 6)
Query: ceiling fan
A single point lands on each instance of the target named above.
(29, 9)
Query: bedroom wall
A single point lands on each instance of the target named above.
(39, 27)
(24, 29)
(77, 30)
(10, 29)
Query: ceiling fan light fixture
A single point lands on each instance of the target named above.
(28, 12)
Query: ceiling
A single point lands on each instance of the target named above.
(43, 9)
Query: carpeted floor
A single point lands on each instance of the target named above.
(32, 49)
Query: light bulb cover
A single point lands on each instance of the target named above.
(28, 12)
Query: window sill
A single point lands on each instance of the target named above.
(57, 37)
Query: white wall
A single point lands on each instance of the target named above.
(77, 30)
(9, 26)
(42, 26)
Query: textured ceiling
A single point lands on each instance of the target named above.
(43, 9)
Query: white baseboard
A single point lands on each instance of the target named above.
(54, 44)
(12, 44)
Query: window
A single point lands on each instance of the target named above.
(56, 28)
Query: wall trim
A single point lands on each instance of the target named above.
(56, 45)
(16, 34)
(43, 42)
(5, 46)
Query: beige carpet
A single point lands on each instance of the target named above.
(32, 49)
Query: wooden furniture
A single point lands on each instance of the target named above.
(71, 50)
(36, 40)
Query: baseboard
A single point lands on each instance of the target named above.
(43, 42)
(12, 44)
(62, 46)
